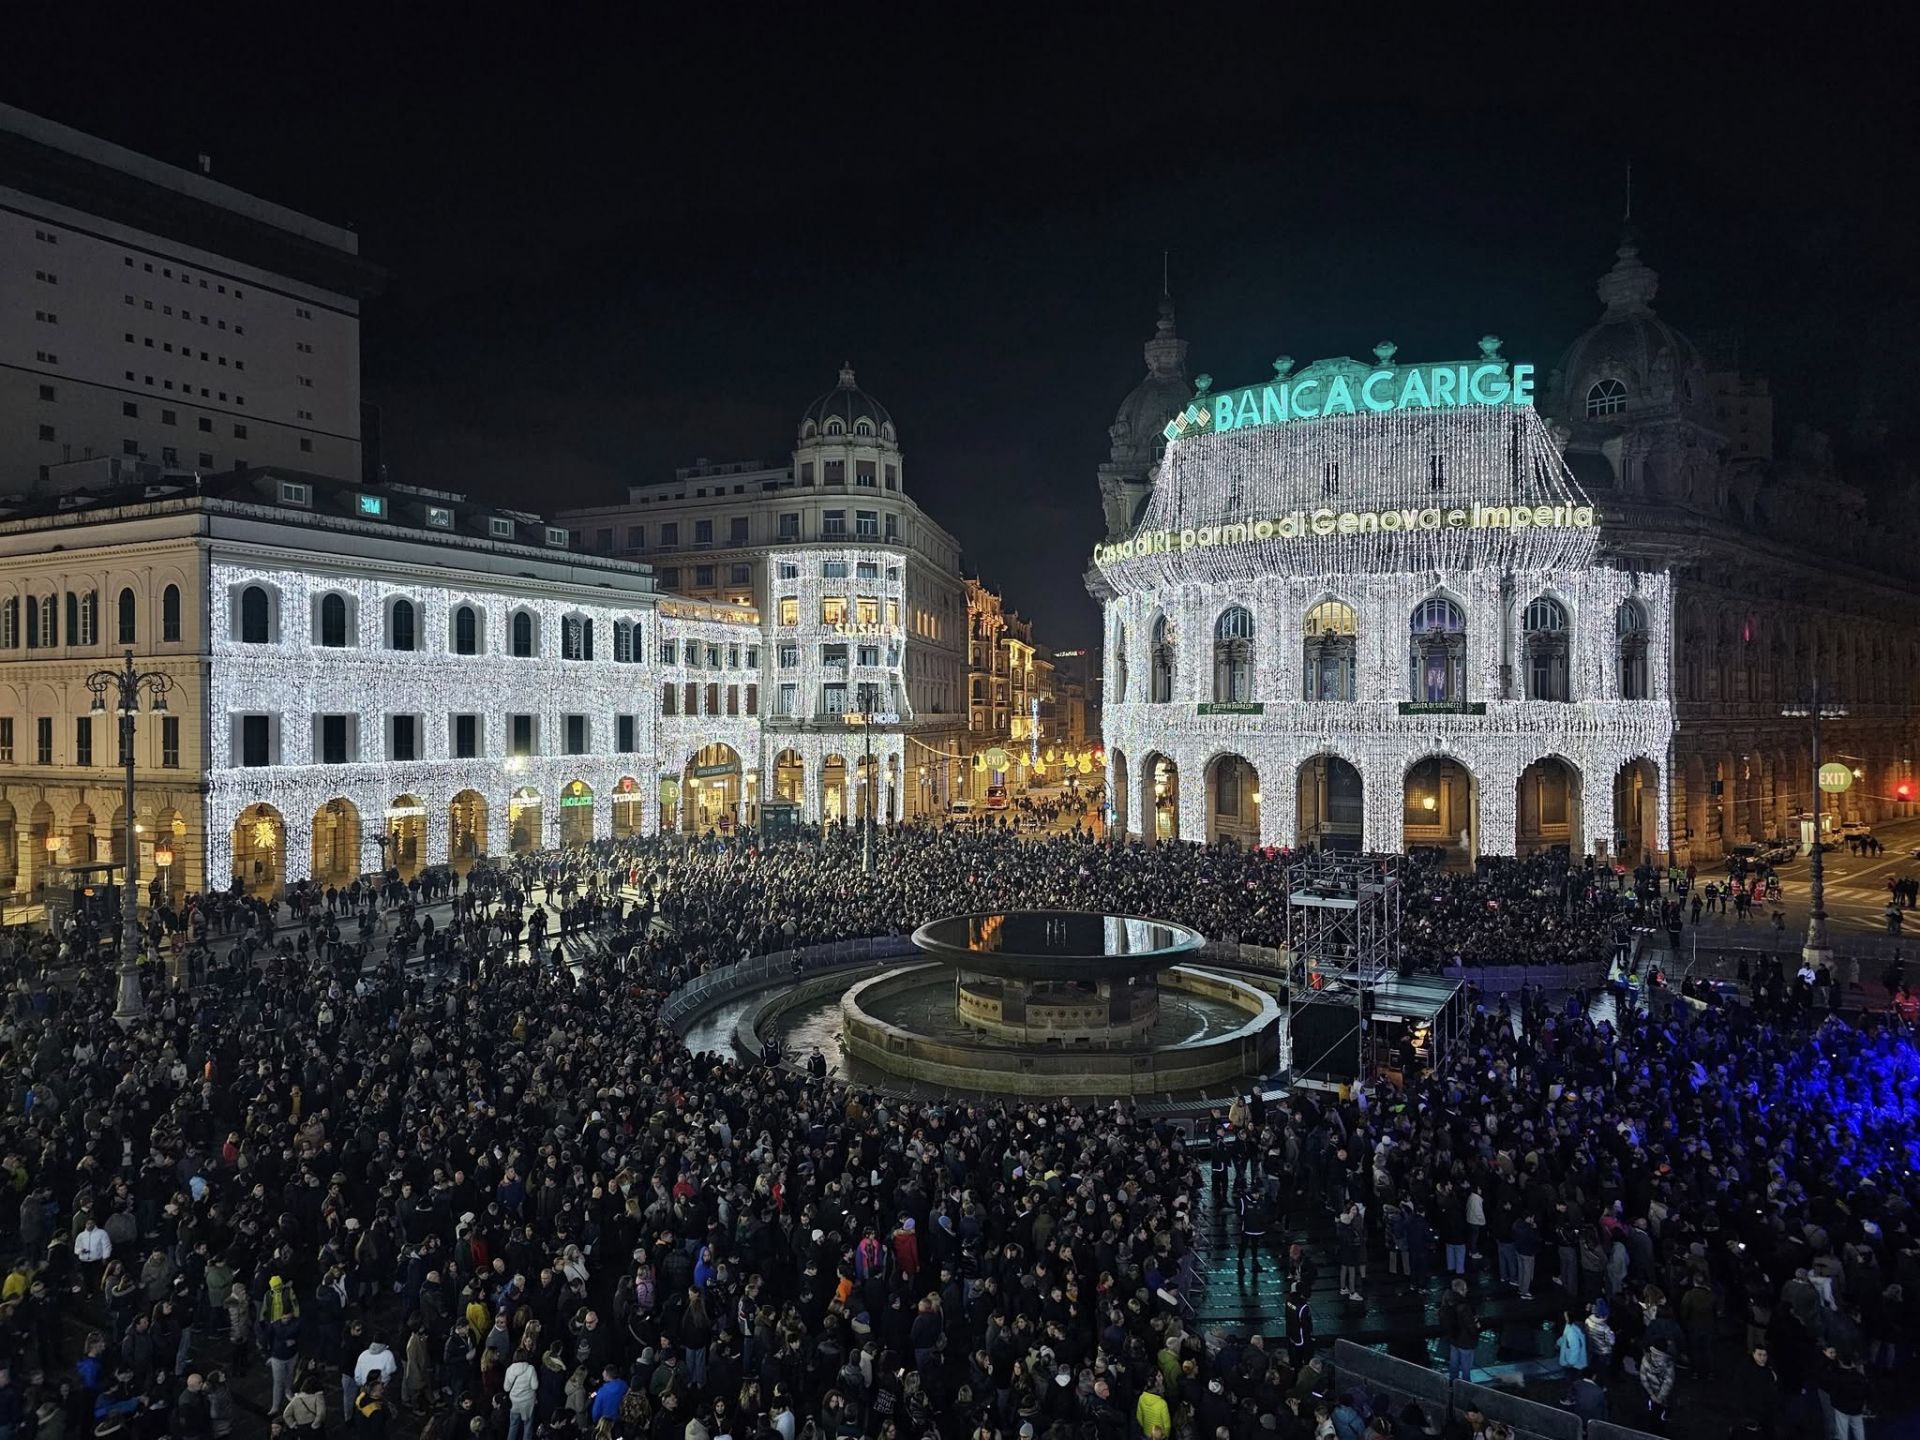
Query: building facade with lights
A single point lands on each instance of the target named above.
(863, 657)
(1640, 685)
(1364, 606)
(363, 678)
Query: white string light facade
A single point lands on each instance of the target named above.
(1321, 494)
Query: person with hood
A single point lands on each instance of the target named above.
(1573, 1344)
(1656, 1379)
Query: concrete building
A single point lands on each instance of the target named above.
(155, 320)
(863, 656)
(363, 677)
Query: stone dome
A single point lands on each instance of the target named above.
(843, 409)
(1139, 423)
(1631, 361)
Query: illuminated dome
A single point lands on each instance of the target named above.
(1632, 361)
(847, 410)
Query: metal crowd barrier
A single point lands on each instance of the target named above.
(1528, 1418)
(1405, 1381)
(1440, 1399)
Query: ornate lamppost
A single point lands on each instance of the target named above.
(1819, 948)
(125, 684)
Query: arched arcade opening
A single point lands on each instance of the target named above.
(1331, 810)
(1233, 801)
(1547, 808)
(336, 844)
(259, 851)
(1441, 809)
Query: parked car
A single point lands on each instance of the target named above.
(960, 807)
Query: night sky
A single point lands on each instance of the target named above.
(612, 251)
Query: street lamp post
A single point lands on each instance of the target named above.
(1818, 950)
(126, 684)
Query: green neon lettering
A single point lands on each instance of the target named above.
(1273, 405)
(1414, 392)
(1369, 399)
(1483, 393)
(1523, 384)
(1249, 410)
(1443, 387)
(1339, 398)
(1298, 392)
(1324, 521)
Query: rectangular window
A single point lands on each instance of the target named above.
(789, 657)
(833, 570)
(869, 523)
(636, 537)
(702, 577)
(500, 528)
(6, 740)
(669, 700)
(786, 701)
(670, 533)
(576, 734)
(740, 574)
(893, 529)
(833, 610)
(863, 474)
(406, 739)
(83, 740)
(753, 657)
(670, 577)
(790, 525)
(256, 741)
(703, 532)
(866, 570)
(789, 610)
(893, 478)
(893, 614)
(833, 523)
(43, 740)
(691, 701)
(170, 742)
(130, 409)
(833, 472)
(869, 655)
(466, 737)
(868, 612)
(295, 492)
(806, 472)
(520, 735)
(625, 734)
(336, 739)
(239, 432)
(737, 530)
(753, 699)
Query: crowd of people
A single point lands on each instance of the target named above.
(365, 1167)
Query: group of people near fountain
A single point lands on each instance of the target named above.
(338, 1186)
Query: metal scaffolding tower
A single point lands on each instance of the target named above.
(1343, 942)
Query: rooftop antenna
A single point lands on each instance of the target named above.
(1165, 287)
(1628, 217)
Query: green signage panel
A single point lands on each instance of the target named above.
(707, 772)
(1232, 707)
(1443, 707)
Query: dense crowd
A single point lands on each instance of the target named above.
(386, 1168)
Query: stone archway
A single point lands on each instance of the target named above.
(1695, 801)
(1636, 813)
(526, 819)
(260, 851)
(1331, 809)
(627, 812)
(406, 832)
(790, 777)
(466, 829)
(836, 794)
(1547, 808)
(576, 813)
(1160, 793)
(83, 844)
(336, 844)
(1122, 825)
(710, 786)
(1233, 801)
(41, 859)
(1441, 809)
(9, 848)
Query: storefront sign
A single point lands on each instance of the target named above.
(872, 717)
(707, 772)
(862, 627)
(1835, 778)
(576, 802)
(1333, 388)
(1321, 524)
(1443, 707)
(1231, 707)
(669, 790)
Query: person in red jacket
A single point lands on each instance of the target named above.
(906, 1249)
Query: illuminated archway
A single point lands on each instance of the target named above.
(524, 821)
(1547, 813)
(1331, 809)
(1636, 812)
(834, 796)
(1233, 801)
(1123, 825)
(259, 851)
(9, 847)
(336, 844)
(790, 777)
(406, 849)
(627, 799)
(40, 859)
(1161, 792)
(1441, 809)
(466, 829)
(710, 788)
(82, 843)
(169, 854)
(576, 813)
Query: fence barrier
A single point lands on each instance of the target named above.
(1405, 1381)
(1528, 1418)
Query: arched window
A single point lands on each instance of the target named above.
(333, 621)
(10, 624)
(1162, 661)
(520, 634)
(1120, 664)
(863, 426)
(129, 612)
(1544, 628)
(170, 614)
(256, 616)
(1329, 634)
(84, 628)
(576, 637)
(1437, 653)
(402, 625)
(1607, 397)
(466, 630)
(624, 652)
(1233, 656)
(1630, 630)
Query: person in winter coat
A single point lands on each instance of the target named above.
(1656, 1378)
(1573, 1345)
(305, 1413)
(522, 1389)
